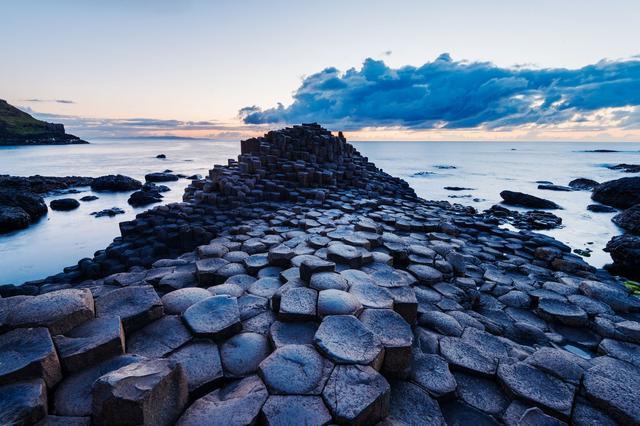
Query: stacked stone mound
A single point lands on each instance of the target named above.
(364, 305)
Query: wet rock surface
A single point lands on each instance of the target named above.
(299, 281)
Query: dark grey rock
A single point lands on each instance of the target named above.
(481, 393)
(337, 302)
(292, 333)
(201, 363)
(295, 370)
(23, 403)
(562, 312)
(64, 204)
(298, 304)
(411, 405)
(136, 306)
(372, 296)
(295, 410)
(345, 340)
(431, 372)
(159, 338)
(621, 193)
(178, 301)
(217, 317)
(242, 354)
(425, 274)
(328, 280)
(314, 265)
(440, 322)
(525, 200)
(396, 337)
(466, 357)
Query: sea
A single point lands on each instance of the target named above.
(60, 239)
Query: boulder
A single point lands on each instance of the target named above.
(629, 219)
(625, 252)
(583, 184)
(621, 193)
(525, 200)
(144, 198)
(177, 301)
(150, 392)
(64, 204)
(600, 208)
(160, 177)
(115, 183)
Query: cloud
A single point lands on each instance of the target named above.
(450, 94)
(59, 101)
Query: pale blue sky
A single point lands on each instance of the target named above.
(205, 60)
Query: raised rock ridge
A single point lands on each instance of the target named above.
(330, 294)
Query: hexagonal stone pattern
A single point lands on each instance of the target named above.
(242, 354)
(282, 410)
(295, 370)
(238, 403)
(394, 333)
(136, 306)
(27, 353)
(357, 394)
(292, 333)
(201, 363)
(159, 338)
(411, 405)
(177, 301)
(337, 302)
(431, 372)
(298, 304)
(217, 317)
(345, 340)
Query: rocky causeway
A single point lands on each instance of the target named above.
(300, 284)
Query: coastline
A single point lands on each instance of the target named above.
(303, 254)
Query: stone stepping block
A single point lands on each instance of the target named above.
(292, 333)
(238, 403)
(260, 323)
(328, 280)
(206, 270)
(529, 384)
(405, 303)
(152, 392)
(177, 301)
(345, 254)
(270, 271)
(372, 296)
(201, 363)
(313, 265)
(280, 255)
(623, 351)
(488, 344)
(481, 393)
(431, 372)
(23, 403)
(584, 413)
(217, 317)
(265, 287)
(228, 289)
(295, 370)
(59, 311)
(227, 271)
(345, 340)
(280, 410)
(466, 357)
(535, 416)
(456, 412)
(159, 338)
(616, 296)
(425, 274)
(411, 405)
(136, 306)
(242, 280)
(6, 304)
(90, 343)
(357, 395)
(612, 386)
(563, 312)
(27, 353)
(255, 262)
(242, 354)
(356, 276)
(298, 304)
(389, 278)
(73, 395)
(441, 323)
(560, 363)
(212, 250)
(396, 337)
(251, 305)
(177, 280)
(236, 256)
(337, 302)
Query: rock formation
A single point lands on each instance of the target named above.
(320, 290)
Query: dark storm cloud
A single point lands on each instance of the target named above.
(456, 95)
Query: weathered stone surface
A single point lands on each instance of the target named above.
(295, 370)
(64, 421)
(90, 343)
(206, 270)
(242, 354)
(396, 337)
(236, 404)
(346, 254)
(345, 340)
(136, 306)
(563, 312)
(357, 395)
(265, 287)
(28, 353)
(73, 395)
(526, 382)
(372, 296)
(466, 357)
(177, 301)
(440, 322)
(328, 280)
(23, 403)
(213, 250)
(563, 364)
(431, 372)
(425, 274)
(314, 265)
(151, 392)
(298, 304)
(621, 193)
(585, 414)
(391, 278)
(337, 302)
(159, 338)
(481, 393)
(217, 317)
(201, 363)
(295, 410)
(410, 405)
(292, 333)
(59, 311)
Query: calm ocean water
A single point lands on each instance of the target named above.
(62, 238)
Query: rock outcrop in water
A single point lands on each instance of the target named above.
(324, 291)
(19, 128)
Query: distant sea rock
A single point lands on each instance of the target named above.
(525, 200)
(627, 168)
(583, 184)
(621, 193)
(115, 183)
(19, 128)
(629, 219)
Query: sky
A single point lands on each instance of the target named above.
(381, 70)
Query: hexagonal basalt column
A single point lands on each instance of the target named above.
(345, 340)
(217, 317)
